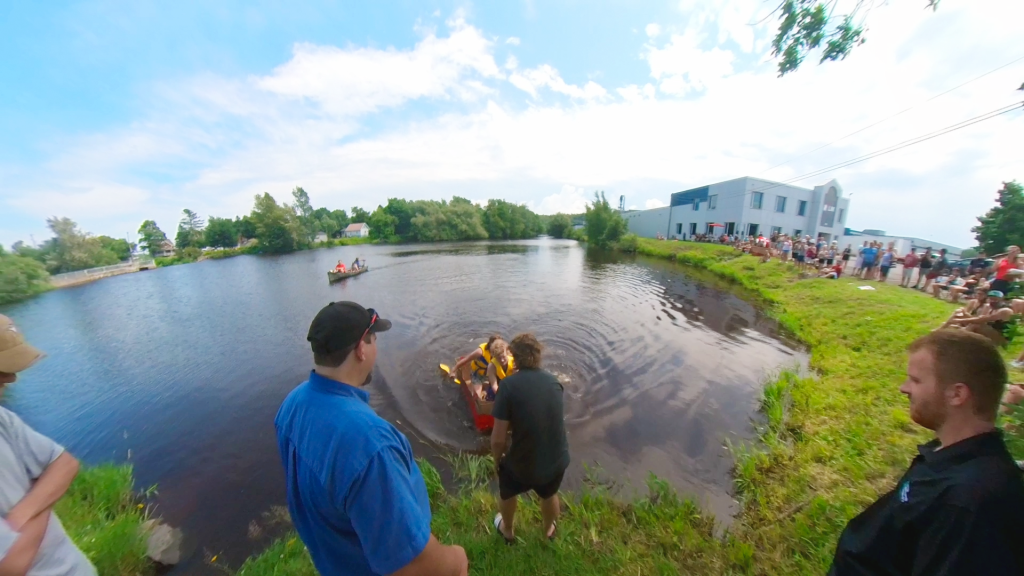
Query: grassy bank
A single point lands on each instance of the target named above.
(103, 516)
(831, 444)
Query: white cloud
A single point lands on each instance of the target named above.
(511, 63)
(353, 81)
(570, 200)
(654, 203)
(225, 139)
(652, 30)
(545, 76)
(514, 41)
(682, 65)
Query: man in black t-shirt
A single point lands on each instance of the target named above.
(530, 402)
(959, 509)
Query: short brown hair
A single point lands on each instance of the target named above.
(335, 359)
(526, 350)
(971, 359)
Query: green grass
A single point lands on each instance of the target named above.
(830, 444)
(102, 515)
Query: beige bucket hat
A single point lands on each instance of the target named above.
(15, 354)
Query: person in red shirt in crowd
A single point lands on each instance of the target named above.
(910, 261)
(832, 272)
(1004, 274)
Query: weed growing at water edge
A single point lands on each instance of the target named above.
(103, 517)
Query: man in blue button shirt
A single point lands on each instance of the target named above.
(355, 493)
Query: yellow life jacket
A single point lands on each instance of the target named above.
(501, 372)
(480, 366)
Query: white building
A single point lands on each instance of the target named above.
(357, 230)
(747, 206)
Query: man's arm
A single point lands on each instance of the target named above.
(389, 511)
(51, 485)
(1001, 314)
(437, 560)
(21, 554)
(499, 439)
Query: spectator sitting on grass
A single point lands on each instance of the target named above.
(945, 281)
(990, 320)
(831, 272)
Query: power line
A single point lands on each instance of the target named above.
(894, 115)
(892, 148)
(912, 141)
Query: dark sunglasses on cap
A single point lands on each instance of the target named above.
(373, 320)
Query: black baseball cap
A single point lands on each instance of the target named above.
(341, 324)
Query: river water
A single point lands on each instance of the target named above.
(180, 370)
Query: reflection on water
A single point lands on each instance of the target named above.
(183, 368)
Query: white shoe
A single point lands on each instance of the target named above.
(1017, 364)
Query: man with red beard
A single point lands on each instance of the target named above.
(959, 509)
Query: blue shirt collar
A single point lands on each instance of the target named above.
(328, 386)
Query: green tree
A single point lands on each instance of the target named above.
(304, 210)
(245, 227)
(277, 226)
(359, 215)
(117, 246)
(220, 233)
(1003, 225)
(74, 249)
(190, 230)
(807, 25)
(402, 211)
(328, 226)
(559, 225)
(604, 225)
(382, 225)
(340, 217)
(39, 254)
(151, 237)
(20, 277)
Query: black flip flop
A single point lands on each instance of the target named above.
(497, 528)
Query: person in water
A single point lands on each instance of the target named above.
(340, 267)
(479, 362)
(501, 366)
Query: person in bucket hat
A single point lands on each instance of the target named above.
(35, 472)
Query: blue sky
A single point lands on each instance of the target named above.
(116, 112)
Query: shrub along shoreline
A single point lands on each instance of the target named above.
(832, 442)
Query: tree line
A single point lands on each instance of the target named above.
(283, 227)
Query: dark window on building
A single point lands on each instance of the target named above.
(780, 203)
(755, 200)
(712, 201)
(802, 208)
(693, 228)
(679, 229)
(751, 229)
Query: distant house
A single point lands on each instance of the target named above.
(320, 237)
(166, 249)
(358, 230)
